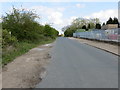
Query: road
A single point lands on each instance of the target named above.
(77, 65)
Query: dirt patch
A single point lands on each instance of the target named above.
(27, 70)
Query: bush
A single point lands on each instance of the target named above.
(49, 31)
(23, 25)
(7, 39)
(21, 32)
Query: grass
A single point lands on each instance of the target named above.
(19, 49)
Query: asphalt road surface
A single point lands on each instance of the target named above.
(76, 65)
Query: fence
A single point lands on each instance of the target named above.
(104, 35)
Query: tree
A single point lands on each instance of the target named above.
(88, 26)
(50, 32)
(22, 24)
(110, 21)
(80, 23)
(69, 31)
(84, 27)
(115, 21)
(103, 24)
(98, 26)
(7, 39)
(47, 30)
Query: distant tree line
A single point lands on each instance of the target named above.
(81, 23)
(21, 25)
(112, 21)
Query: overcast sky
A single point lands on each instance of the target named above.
(62, 13)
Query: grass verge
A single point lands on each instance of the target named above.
(19, 49)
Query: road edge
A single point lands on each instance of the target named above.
(103, 49)
(99, 48)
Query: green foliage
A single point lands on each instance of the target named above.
(112, 21)
(22, 32)
(115, 21)
(89, 26)
(69, 33)
(80, 23)
(24, 27)
(84, 27)
(98, 26)
(21, 48)
(22, 24)
(80, 30)
(7, 38)
(103, 24)
(50, 32)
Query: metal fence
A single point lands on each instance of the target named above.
(104, 35)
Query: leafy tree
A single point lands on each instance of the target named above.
(98, 26)
(115, 21)
(84, 27)
(110, 21)
(69, 32)
(22, 24)
(103, 24)
(79, 23)
(88, 26)
(7, 39)
(50, 32)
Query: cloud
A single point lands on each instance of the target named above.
(56, 17)
(53, 16)
(80, 5)
(104, 15)
(61, 9)
(69, 21)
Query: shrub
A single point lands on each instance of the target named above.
(8, 39)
